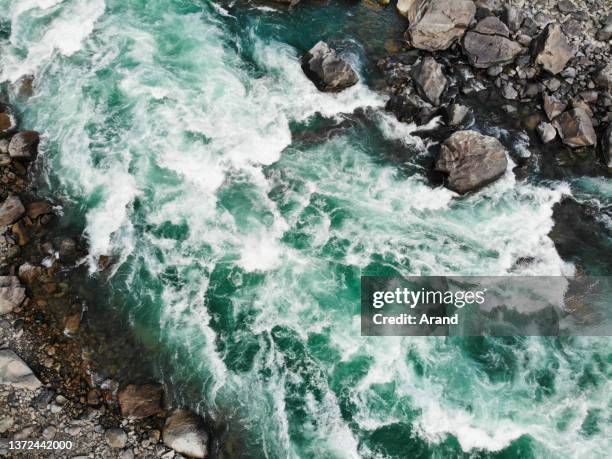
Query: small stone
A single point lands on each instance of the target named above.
(71, 328)
(115, 438)
(126, 454)
(605, 33)
(508, 92)
(492, 26)
(6, 423)
(49, 433)
(553, 106)
(547, 132)
(513, 17)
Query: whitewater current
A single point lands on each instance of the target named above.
(240, 206)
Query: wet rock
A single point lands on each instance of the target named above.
(547, 132)
(442, 22)
(551, 49)
(604, 77)
(576, 128)
(72, 324)
(8, 122)
(184, 432)
(24, 145)
(553, 106)
(429, 80)
(326, 70)
(38, 208)
(605, 33)
(15, 373)
(140, 401)
(12, 294)
(115, 438)
(457, 114)
(492, 26)
(488, 50)
(471, 160)
(11, 210)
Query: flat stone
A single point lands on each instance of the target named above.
(492, 26)
(457, 114)
(15, 373)
(547, 132)
(488, 50)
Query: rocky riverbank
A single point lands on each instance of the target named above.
(51, 391)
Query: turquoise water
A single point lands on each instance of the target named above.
(241, 207)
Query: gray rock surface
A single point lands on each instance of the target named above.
(429, 80)
(15, 373)
(576, 128)
(471, 160)
(552, 50)
(492, 26)
(184, 432)
(326, 70)
(12, 293)
(488, 50)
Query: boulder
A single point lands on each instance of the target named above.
(139, 402)
(485, 51)
(326, 70)
(553, 106)
(547, 132)
(24, 145)
(551, 49)
(412, 9)
(604, 77)
(15, 373)
(442, 22)
(11, 210)
(429, 80)
(12, 294)
(576, 128)
(471, 160)
(492, 26)
(115, 438)
(185, 433)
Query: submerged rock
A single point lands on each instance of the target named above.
(140, 401)
(551, 49)
(485, 51)
(24, 145)
(442, 22)
(185, 433)
(471, 160)
(326, 70)
(429, 80)
(576, 128)
(15, 373)
(11, 210)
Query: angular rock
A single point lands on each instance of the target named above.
(11, 210)
(326, 70)
(442, 22)
(553, 106)
(409, 107)
(15, 373)
(547, 132)
(185, 433)
(576, 128)
(513, 17)
(457, 114)
(12, 294)
(605, 33)
(429, 80)
(471, 160)
(139, 402)
(24, 145)
(412, 9)
(488, 50)
(115, 438)
(551, 49)
(604, 77)
(492, 26)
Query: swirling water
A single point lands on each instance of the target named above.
(241, 206)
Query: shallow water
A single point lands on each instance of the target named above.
(241, 206)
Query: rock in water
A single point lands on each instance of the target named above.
(485, 51)
(576, 128)
(551, 49)
(184, 432)
(11, 210)
(429, 80)
(24, 145)
(471, 160)
(12, 294)
(15, 373)
(443, 22)
(140, 401)
(326, 70)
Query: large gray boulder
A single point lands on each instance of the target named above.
(576, 128)
(441, 23)
(24, 145)
(471, 160)
(185, 433)
(326, 70)
(551, 49)
(429, 80)
(12, 294)
(485, 51)
(11, 210)
(15, 373)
